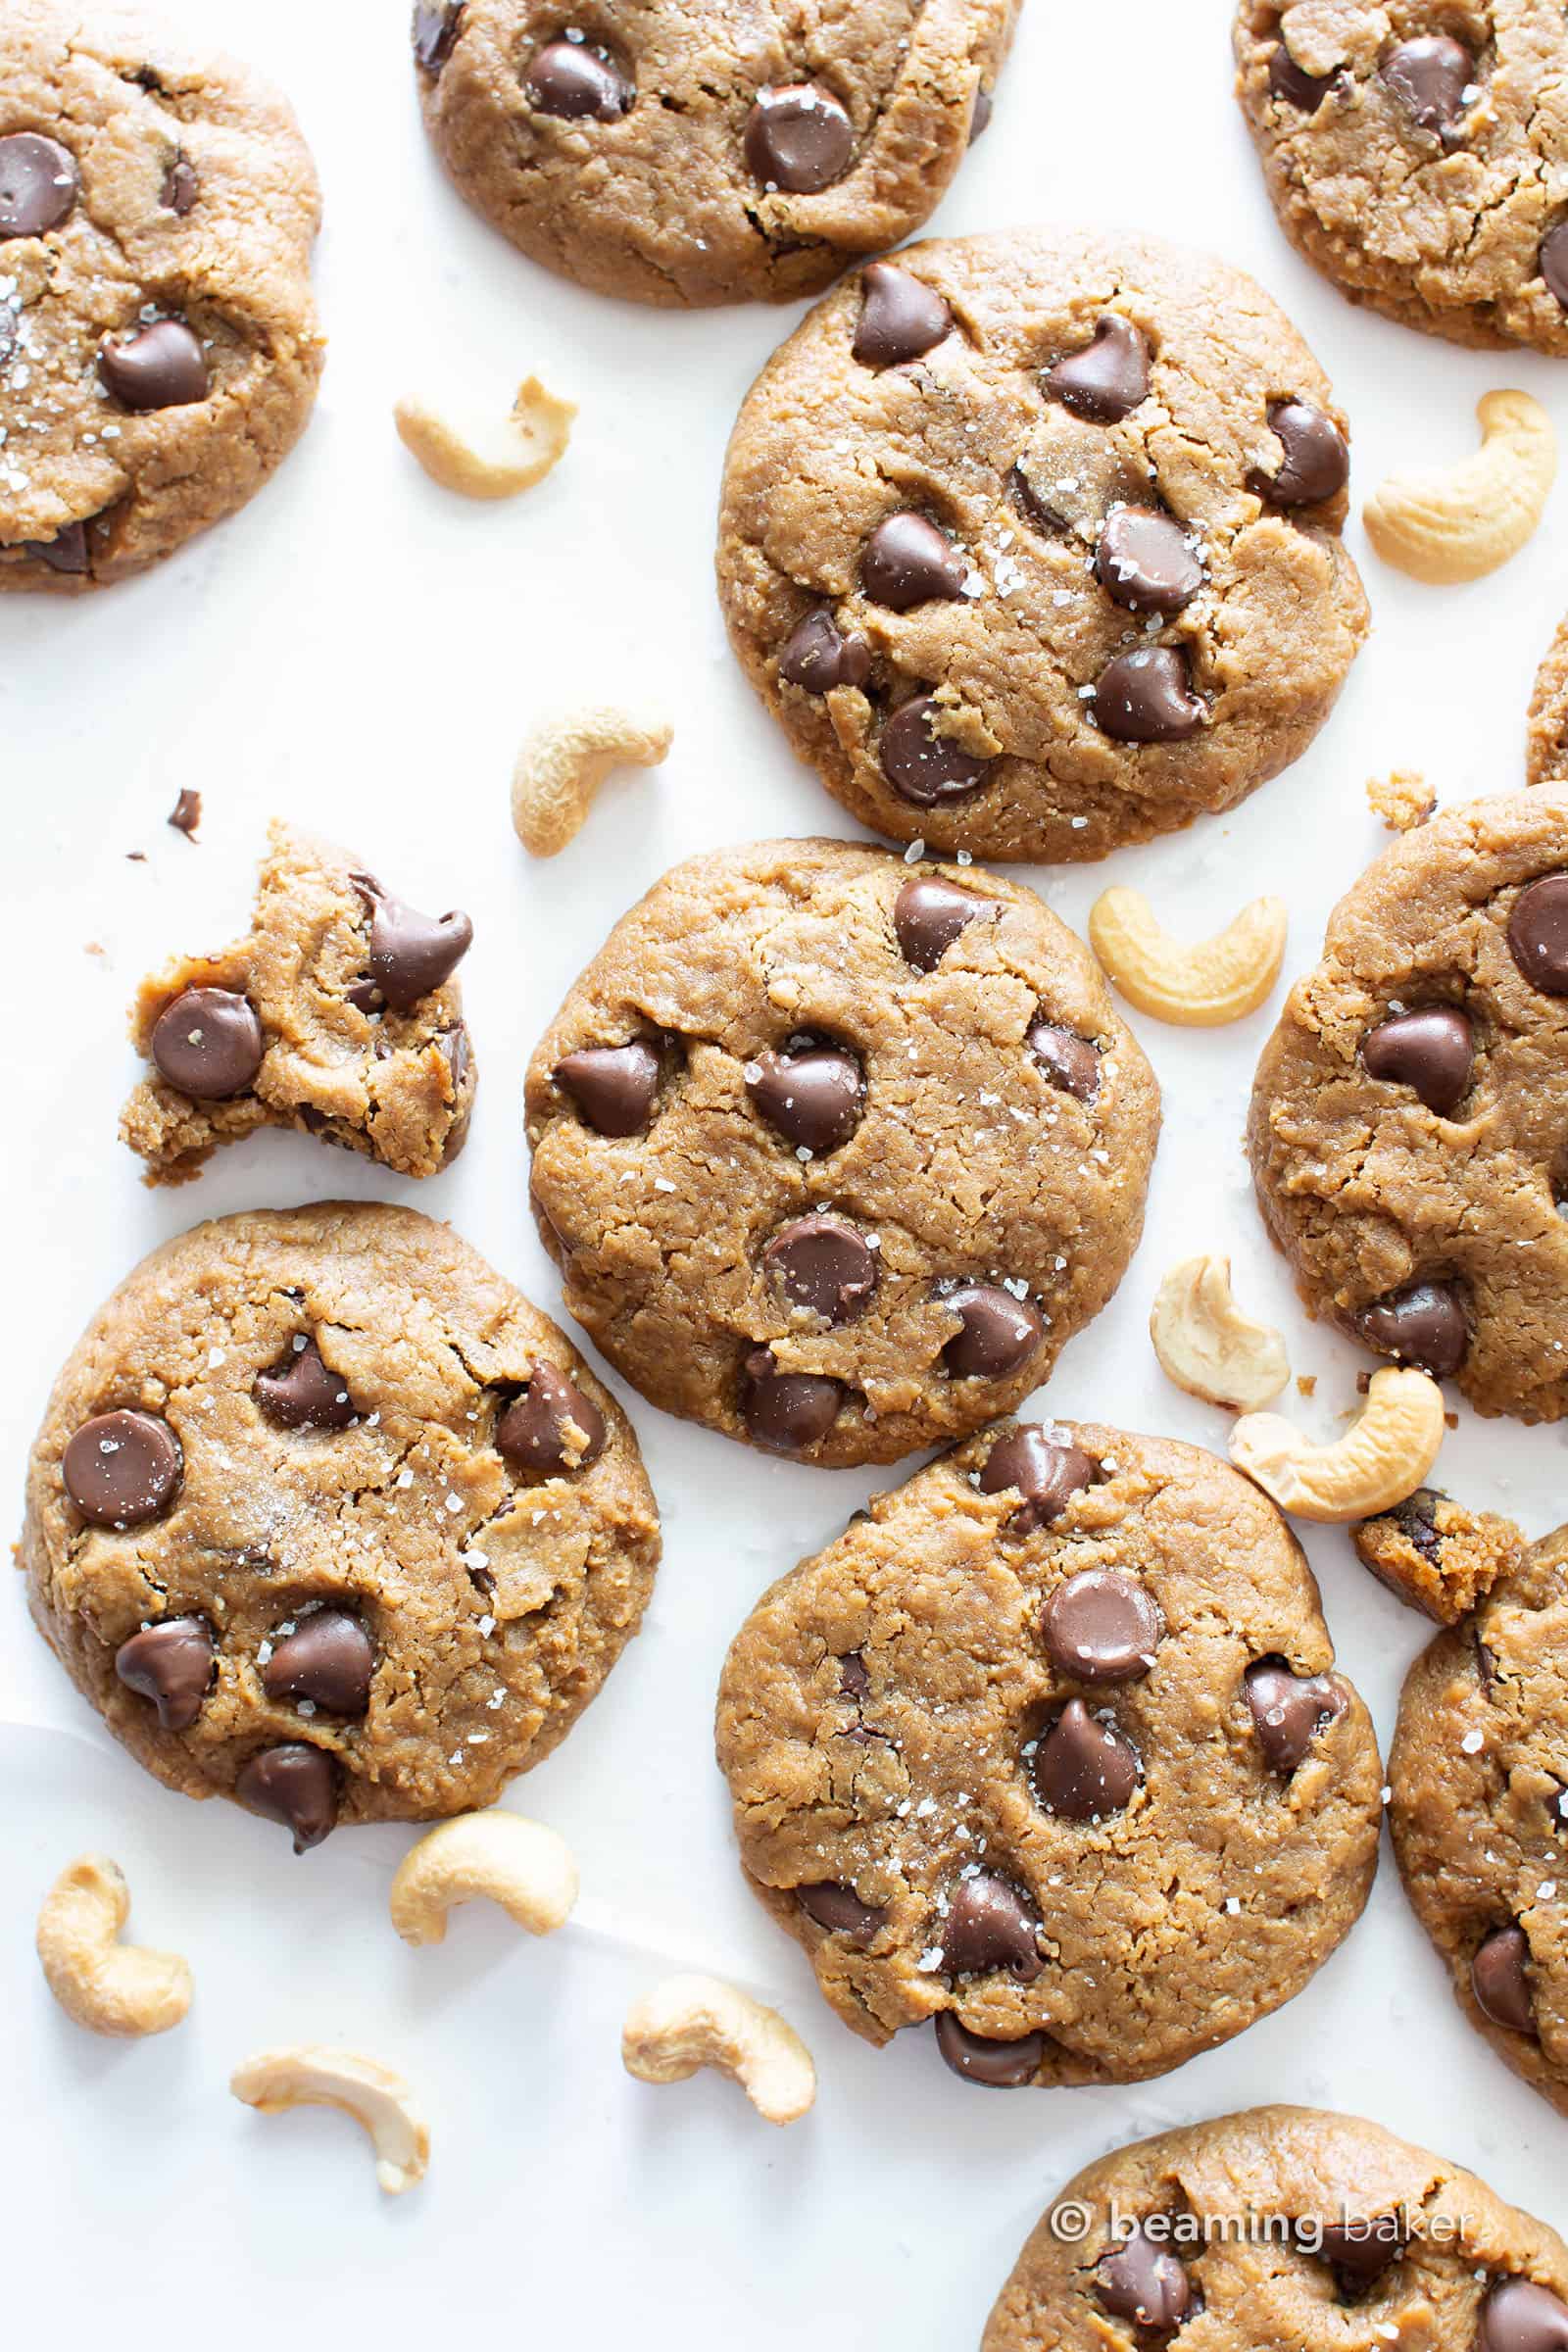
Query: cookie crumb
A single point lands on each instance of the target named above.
(1402, 798)
(186, 814)
(1436, 1555)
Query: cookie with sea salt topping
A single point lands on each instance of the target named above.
(836, 1153)
(159, 345)
(1049, 1750)
(1031, 542)
(323, 1516)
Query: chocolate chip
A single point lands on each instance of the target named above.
(613, 1086)
(124, 1468)
(998, 1333)
(817, 657)
(295, 1785)
(980, 117)
(1552, 261)
(411, 954)
(786, 1411)
(172, 1664)
(799, 138)
(1361, 2248)
(459, 1052)
(1101, 1626)
(1315, 463)
(1068, 1061)
(921, 765)
(435, 33)
(1518, 2316)
(1081, 1768)
(1108, 377)
(1048, 1472)
(66, 551)
(1142, 2281)
(38, 184)
(181, 187)
(1146, 697)
(853, 1679)
(996, 2065)
(823, 1267)
(1289, 1710)
(809, 1092)
(1431, 1052)
(186, 814)
(840, 1910)
(162, 366)
(329, 1661)
(988, 1925)
(908, 562)
(299, 1392)
(1537, 934)
(578, 83)
(1430, 78)
(552, 1426)
(1291, 83)
(1417, 1515)
(928, 916)
(1501, 1982)
(900, 317)
(208, 1044)
(1423, 1325)
(1145, 562)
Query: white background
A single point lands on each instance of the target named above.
(363, 652)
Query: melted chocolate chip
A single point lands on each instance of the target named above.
(208, 1044)
(981, 113)
(1518, 2316)
(411, 954)
(1315, 460)
(1106, 380)
(1500, 1981)
(1291, 83)
(799, 138)
(853, 1679)
(1142, 2281)
(995, 2065)
(823, 1267)
(1289, 1710)
(1145, 563)
(1430, 78)
(123, 1469)
(328, 1660)
(38, 184)
(1431, 1052)
(172, 1664)
(811, 1093)
(1537, 934)
(1048, 1472)
(1101, 1626)
(551, 1427)
(185, 816)
(1146, 697)
(908, 562)
(988, 1925)
(295, 1785)
(1417, 1515)
(1423, 1325)
(578, 83)
(613, 1086)
(1081, 1768)
(436, 26)
(998, 1333)
(786, 1411)
(1068, 1061)
(928, 915)
(1361, 2249)
(920, 764)
(162, 366)
(181, 188)
(1552, 261)
(66, 551)
(818, 657)
(900, 318)
(840, 1910)
(301, 1392)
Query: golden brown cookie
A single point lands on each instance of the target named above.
(1049, 1748)
(1438, 1555)
(159, 346)
(835, 1152)
(1546, 746)
(326, 1517)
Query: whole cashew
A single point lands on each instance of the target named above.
(562, 766)
(1385, 1458)
(1207, 1347)
(490, 460)
(310, 2077)
(1196, 987)
(525, 1868)
(1465, 520)
(691, 2022)
(106, 1985)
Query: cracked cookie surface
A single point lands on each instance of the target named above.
(688, 155)
(1283, 2225)
(1031, 542)
(1479, 1770)
(1415, 154)
(337, 1014)
(1408, 1113)
(835, 1152)
(159, 346)
(324, 1516)
(1049, 1748)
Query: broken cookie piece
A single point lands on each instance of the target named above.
(338, 1014)
(1436, 1555)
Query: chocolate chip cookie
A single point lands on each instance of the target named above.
(323, 1516)
(1049, 1748)
(835, 1152)
(1546, 746)
(1283, 2225)
(337, 1014)
(1408, 1114)
(159, 346)
(1032, 542)
(1416, 155)
(687, 154)
(1480, 1815)
(1438, 1555)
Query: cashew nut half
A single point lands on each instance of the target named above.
(691, 2022)
(562, 766)
(1207, 1347)
(106, 1985)
(1385, 1458)
(275, 2081)
(522, 1866)
(1462, 521)
(489, 459)
(1198, 988)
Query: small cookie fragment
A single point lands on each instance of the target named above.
(1402, 798)
(1438, 1555)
